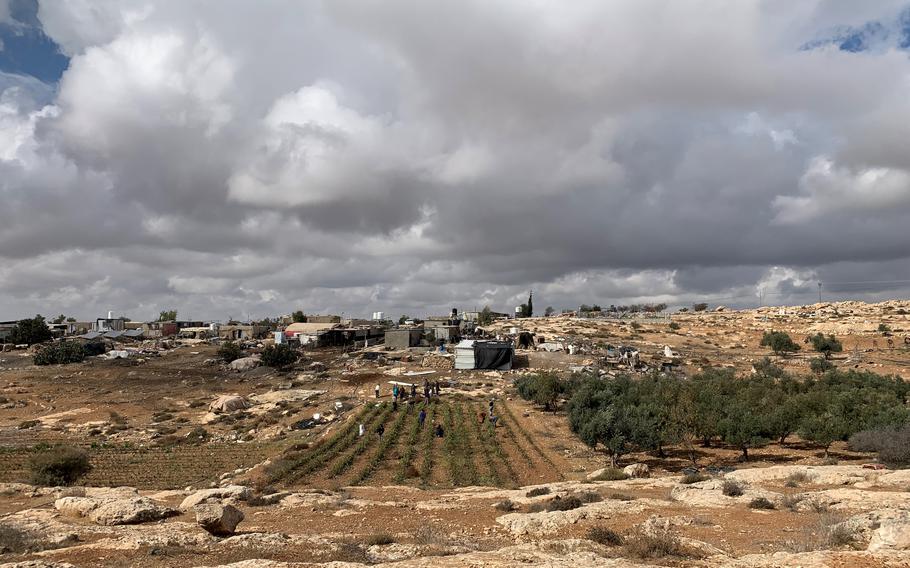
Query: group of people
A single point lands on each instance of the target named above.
(491, 416)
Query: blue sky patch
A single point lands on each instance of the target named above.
(26, 49)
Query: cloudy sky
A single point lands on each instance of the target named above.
(245, 159)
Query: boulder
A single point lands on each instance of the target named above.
(111, 512)
(637, 470)
(893, 534)
(228, 493)
(219, 520)
(244, 364)
(317, 367)
(229, 403)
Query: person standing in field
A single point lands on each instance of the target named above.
(422, 417)
(377, 391)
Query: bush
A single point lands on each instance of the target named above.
(656, 543)
(538, 491)
(506, 506)
(674, 326)
(622, 497)
(691, 478)
(15, 540)
(819, 365)
(732, 489)
(791, 502)
(30, 331)
(60, 354)
(794, 479)
(380, 539)
(891, 444)
(278, 356)
(761, 503)
(779, 342)
(826, 345)
(563, 504)
(604, 536)
(589, 497)
(26, 424)
(230, 351)
(883, 327)
(612, 474)
(61, 465)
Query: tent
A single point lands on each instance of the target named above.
(484, 355)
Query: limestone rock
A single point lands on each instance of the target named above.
(893, 534)
(229, 402)
(110, 512)
(244, 364)
(637, 470)
(229, 493)
(219, 520)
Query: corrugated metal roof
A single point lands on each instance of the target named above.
(308, 328)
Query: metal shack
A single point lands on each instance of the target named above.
(472, 354)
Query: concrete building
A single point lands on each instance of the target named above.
(403, 338)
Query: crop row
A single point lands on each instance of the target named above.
(389, 440)
(322, 454)
(347, 461)
(532, 442)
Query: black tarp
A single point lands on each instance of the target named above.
(493, 355)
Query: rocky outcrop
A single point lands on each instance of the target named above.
(228, 494)
(113, 511)
(219, 520)
(244, 364)
(637, 471)
(229, 402)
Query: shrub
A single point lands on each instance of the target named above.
(538, 491)
(604, 536)
(622, 497)
(819, 365)
(589, 497)
(767, 368)
(278, 356)
(380, 539)
(791, 502)
(674, 326)
(883, 327)
(26, 424)
(699, 307)
(61, 465)
(761, 503)
(654, 543)
(732, 489)
(563, 504)
(60, 354)
(795, 478)
(611, 474)
(506, 506)
(779, 342)
(691, 478)
(30, 331)
(14, 540)
(229, 351)
(826, 344)
(892, 444)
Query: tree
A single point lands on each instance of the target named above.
(530, 306)
(167, 315)
(779, 342)
(542, 388)
(71, 320)
(230, 351)
(403, 319)
(278, 356)
(819, 365)
(59, 319)
(549, 311)
(826, 345)
(30, 331)
(298, 316)
(699, 307)
(485, 317)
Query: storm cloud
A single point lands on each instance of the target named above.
(246, 159)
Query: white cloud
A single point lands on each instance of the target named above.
(827, 188)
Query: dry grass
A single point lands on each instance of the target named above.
(655, 543)
(604, 536)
